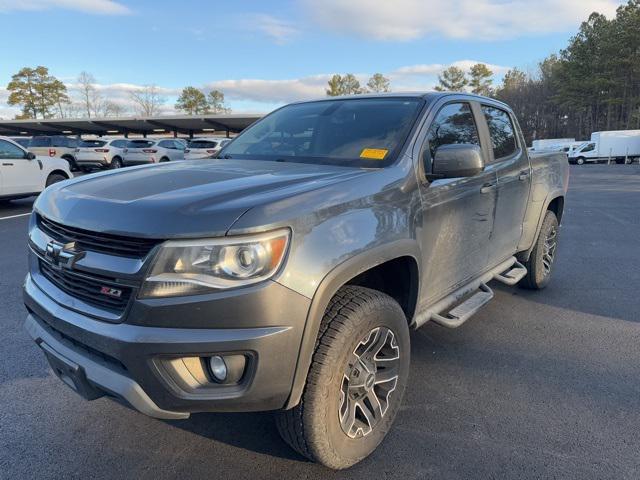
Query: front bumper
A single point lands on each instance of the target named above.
(128, 360)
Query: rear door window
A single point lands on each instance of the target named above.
(501, 131)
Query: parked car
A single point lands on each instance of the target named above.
(621, 146)
(140, 151)
(206, 147)
(23, 174)
(22, 141)
(101, 153)
(286, 275)
(56, 146)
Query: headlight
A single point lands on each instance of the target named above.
(200, 266)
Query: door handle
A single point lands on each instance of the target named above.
(487, 188)
(524, 175)
(7, 164)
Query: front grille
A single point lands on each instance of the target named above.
(87, 287)
(97, 242)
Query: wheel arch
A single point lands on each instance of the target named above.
(59, 172)
(554, 203)
(366, 270)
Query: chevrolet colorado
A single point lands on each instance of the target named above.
(286, 274)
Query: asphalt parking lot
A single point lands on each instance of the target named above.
(538, 385)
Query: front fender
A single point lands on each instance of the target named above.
(328, 287)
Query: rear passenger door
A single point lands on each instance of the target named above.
(457, 212)
(511, 164)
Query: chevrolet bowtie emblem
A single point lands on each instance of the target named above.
(63, 254)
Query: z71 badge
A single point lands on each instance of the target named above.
(111, 292)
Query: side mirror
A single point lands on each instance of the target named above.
(30, 156)
(457, 160)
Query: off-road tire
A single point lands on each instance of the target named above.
(55, 178)
(313, 427)
(538, 276)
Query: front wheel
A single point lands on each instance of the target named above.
(356, 380)
(543, 256)
(580, 161)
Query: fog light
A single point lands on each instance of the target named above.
(218, 368)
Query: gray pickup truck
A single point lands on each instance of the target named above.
(286, 274)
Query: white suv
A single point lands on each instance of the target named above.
(144, 150)
(205, 147)
(23, 174)
(55, 146)
(101, 153)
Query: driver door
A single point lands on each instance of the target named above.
(458, 213)
(19, 174)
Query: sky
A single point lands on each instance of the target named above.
(262, 54)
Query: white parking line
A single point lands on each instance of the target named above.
(15, 216)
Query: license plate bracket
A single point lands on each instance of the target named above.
(71, 373)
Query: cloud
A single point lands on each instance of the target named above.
(96, 7)
(433, 69)
(278, 30)
(404, 20)
(272, 91)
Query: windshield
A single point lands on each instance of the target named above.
(366, 132)
(139, 143)
(203, 144)
(92, 143)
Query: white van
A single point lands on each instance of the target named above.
(621, 146)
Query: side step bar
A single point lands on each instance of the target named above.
(516, 273)
(463, 312)
(450, 313)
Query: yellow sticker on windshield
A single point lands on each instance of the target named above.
(374, 153)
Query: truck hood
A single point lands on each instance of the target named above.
(183, 199)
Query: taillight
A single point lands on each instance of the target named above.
(102, 150)
(52, 152)
(149, 150)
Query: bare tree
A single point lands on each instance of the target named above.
(113, 109)
(148, 100)
(91, 99)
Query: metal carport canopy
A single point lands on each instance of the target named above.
(183, 124)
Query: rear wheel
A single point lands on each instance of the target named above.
(73, 166)
(356, 380)
(55, 178)
(542, 258)
(116, 162)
